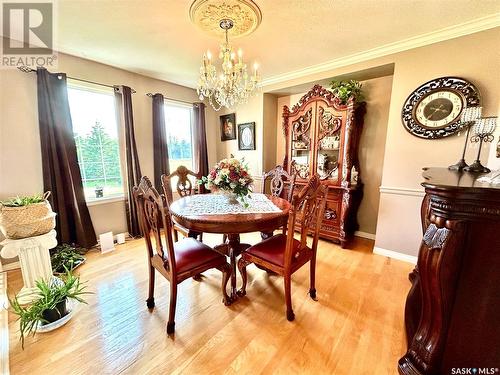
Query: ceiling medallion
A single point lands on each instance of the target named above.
(208, 14)
(232, 84)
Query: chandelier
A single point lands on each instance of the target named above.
(234, 84)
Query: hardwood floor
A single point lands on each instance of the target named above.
(356, 327)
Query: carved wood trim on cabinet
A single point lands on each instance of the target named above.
(453, 306)
(317, 115)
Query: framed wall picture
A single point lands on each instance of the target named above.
(228, 127)
(246, 136)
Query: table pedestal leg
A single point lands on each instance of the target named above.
(233, 241)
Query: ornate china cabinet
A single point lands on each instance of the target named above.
(322, 136)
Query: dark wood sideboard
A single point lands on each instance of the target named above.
(452, 313)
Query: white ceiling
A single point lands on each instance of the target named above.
(157, 39)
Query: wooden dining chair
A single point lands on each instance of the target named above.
(282, 253)
(184, 187)
(175, 261)
(278, 178)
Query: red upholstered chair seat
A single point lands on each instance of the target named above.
(175, 261)
(283, 257)
(190, 254)
(273, 250)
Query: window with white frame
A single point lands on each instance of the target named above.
(178, 122)
(97, 143)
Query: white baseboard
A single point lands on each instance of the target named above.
(370, 236)
(395, 255)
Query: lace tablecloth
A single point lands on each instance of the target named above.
(218, 204)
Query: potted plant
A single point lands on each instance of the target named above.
(26, 216)
(99, 191)
(230, 177)
(345, 89)
(51, 304)
(65, 256)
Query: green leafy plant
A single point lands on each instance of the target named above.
(23, 201)
(51, 294)
(345, 89)
(65, 256)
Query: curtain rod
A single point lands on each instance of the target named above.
(27, 69)
(150, 94)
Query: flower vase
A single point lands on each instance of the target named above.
(231, 197)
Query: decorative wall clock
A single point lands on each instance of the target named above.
(433, 110)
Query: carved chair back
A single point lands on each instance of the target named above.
(153, 215)
(184, 186)
(278, 178)
(308, 206)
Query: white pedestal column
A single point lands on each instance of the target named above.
(34, 258)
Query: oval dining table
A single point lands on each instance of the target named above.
(232, 225)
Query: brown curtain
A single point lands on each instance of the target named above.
(160, 147)
(124, 105)
(200, 139)
(61, 173)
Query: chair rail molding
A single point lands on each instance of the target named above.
(455, 31)
(402, 191)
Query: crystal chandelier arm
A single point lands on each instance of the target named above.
(234, 85)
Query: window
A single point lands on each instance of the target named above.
(178, 121)
(97, 145)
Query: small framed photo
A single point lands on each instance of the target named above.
(246, 136)
(228, 127)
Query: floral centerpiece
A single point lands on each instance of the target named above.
(231, 177)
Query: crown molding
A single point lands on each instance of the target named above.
(466, 28)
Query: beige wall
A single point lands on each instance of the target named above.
(20, 159)
(253, 111)
(475, 57)
(260, 109)
(270, 133)
(371, 149)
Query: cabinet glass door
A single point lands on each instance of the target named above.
(301, 143)
(329, 144)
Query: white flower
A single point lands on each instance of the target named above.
(232, 185)
(224, 171)
(217, 180)
(243, 181)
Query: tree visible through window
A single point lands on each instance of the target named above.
(178, 122)
(96, 138)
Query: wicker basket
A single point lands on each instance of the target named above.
(27, 221)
